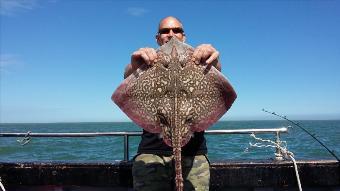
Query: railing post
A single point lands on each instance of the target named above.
(126, 147)
(278, 154)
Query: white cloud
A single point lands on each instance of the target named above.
(136, 11)
(6, 61)
(11, 7)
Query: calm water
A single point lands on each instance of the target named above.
(111, 148)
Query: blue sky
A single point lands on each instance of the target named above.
(61, 60)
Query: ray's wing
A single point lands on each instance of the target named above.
(140, 95)
(210, 93)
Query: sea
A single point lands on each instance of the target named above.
(220, 147)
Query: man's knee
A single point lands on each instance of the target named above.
(197, 173)
(146, 164)
(150, 173)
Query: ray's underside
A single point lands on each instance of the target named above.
(175, 97)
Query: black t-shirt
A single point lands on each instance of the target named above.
(152, 144)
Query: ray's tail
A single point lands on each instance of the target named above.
(178, 168)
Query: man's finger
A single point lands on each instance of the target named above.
(136, 59)
(194, 55)
(196, 52)
(213, 57)
(154, 53)
(145, 58)
(206, 54)
(151, 54)
(198, 56)
(136, 54)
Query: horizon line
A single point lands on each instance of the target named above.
(233, 120)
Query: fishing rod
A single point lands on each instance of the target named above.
(305, 130)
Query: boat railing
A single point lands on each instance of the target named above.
(127, 134)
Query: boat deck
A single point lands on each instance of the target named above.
(225, 175)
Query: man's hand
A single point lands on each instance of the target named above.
(142, 56)
(206, 53)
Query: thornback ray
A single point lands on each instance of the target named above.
(175, 97)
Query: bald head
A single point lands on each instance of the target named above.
(170, 19)
(169, 27)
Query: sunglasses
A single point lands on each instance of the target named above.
(167, 30)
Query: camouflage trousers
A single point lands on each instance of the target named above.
(156, 173)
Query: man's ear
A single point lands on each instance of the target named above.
(184, 37)
(157, 39)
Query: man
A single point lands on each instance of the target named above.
(153, 168)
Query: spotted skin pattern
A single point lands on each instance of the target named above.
(175, 97)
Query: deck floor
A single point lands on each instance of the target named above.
(89, 188)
